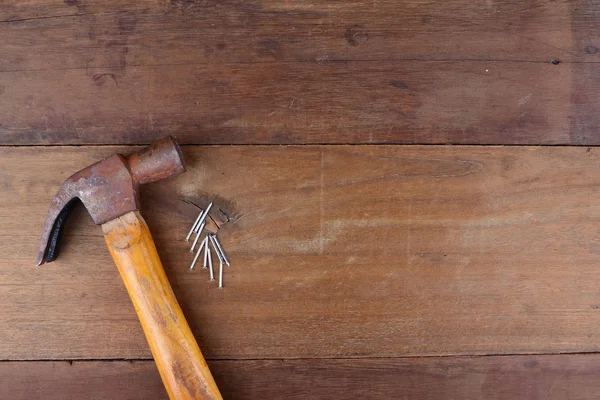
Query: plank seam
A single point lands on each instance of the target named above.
(315, 144)
(406, 357)
(315, 62)
(10, 21)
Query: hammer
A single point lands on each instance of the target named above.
(109, 191)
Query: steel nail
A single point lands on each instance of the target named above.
(221, 251)
(220, 274)
(202, 220)
(210, 264)
(187, 238)
(197, 237)
(216, 247)
(198, 254)
(206, 250)
(194, 244)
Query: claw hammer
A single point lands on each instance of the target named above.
(109, 191)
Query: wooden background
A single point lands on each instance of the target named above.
(370, 259)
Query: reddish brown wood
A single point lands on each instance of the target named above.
(337, 251)
(178, 32)
(491, 378)
(405, 100)
(78, 72)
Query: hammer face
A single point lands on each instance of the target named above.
(162, 159)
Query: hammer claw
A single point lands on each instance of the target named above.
(58, 214)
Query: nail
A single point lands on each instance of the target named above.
(195, 241)
(198, 254)
(187, 238)
(197, 237)
(201, 222)
(225, 260)
(221, 274)
(210, 265)
(215, 246)
(206, 250)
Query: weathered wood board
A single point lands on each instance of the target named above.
(358, 271)
(255, 72)
(337, 251)
(553, 377)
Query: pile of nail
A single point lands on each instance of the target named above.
(210, 239)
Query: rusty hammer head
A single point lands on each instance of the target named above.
(108, 189)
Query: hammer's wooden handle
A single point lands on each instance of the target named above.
(178, 358)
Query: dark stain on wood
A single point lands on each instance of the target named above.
(127, 23)
(222, 210)
(356, 35)
(399, 85)
(100, 79)
(270, 48)
(531, 364)
(76, 3)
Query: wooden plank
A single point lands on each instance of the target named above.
(15, 11)
(337, 251)
(494, 378)
(80, 72)
(357, 102)
(97, 380)
(307, 31)
(585, 120)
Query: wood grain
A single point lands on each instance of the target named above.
(180, 32)
(461, 378)
(180, 363)
(336, 251)
(297, 103)
(122, 72)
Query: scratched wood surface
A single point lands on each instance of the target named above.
(470, 72)
(337, 251)
(492, 378)
(354, 267)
